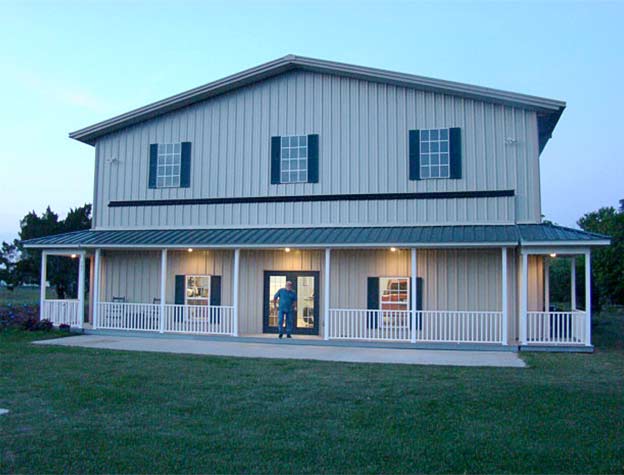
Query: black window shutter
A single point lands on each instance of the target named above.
(276, 144)
(215, 290)
(185, 165)
(180, 289)
(373, 300)
(455, 152)
(414, 155)
(153, 165)
(419, 293)
(313, 158)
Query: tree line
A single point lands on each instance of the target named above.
(19, 266)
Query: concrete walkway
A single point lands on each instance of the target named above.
(289, 350)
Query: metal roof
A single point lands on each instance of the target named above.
(550, 110)
(423, 236)
(550, 233)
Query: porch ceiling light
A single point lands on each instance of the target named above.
(73, 256)
(286, 249)
(190, 249)
(393, 249)
(553, 254)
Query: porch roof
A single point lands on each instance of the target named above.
(423, 236)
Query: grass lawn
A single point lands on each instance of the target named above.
(86, 411)
(23, 295)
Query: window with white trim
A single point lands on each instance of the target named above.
(197, 290)
(394, 293)
(169, 158)
(294, 159)
(434, 153)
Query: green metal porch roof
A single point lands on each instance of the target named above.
(467, 235)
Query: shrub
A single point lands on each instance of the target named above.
(25, 317)
(43, 325)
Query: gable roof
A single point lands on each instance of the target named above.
(549, 110)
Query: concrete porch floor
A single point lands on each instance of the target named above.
(287, 349)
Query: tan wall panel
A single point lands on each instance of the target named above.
(200, 262)
(134, 275)
(363, 131)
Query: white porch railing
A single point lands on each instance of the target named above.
(129, 316)
(459, 326)
(198, 319)
(556, 328)
(430, 326)
(201, 319)
(61, 312)
(359, 324)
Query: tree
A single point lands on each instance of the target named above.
(26, 263)
(608, 263)
(9, 258)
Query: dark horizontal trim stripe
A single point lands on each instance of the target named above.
(435, 195)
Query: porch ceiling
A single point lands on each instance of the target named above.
(318, 237)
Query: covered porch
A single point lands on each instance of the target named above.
(482, 287)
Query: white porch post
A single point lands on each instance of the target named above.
(504, 298)
(163, 288)
(546, 284)
(573, 284)
(235, 291)
(81, 289)
(414, 284)
(588, 297)
(96, 287)
(326, 292)
(524, 297)
(44, 277)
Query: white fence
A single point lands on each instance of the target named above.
(556, 328)
(128, 316)
(357, 324)
(202, 319)
(460, 327)
(61, 312)
(429, 326)
(199, 319)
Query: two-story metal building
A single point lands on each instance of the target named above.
(402, 208)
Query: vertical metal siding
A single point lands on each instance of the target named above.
(363, 149)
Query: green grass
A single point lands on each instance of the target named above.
(23, 295)
(85, 411)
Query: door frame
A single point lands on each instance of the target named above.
(268, 299)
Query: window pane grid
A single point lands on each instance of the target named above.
(169, 158)
(294, 159)
(434, 153)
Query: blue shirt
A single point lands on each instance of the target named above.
(286, 299)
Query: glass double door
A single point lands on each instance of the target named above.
(305, 285)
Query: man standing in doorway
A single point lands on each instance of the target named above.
(287, 308)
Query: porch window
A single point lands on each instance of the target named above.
(294, 159)
(394, 293)
(168, 165)
(434, 153)
(197, 290)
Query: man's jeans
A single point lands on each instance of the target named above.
(289, 321)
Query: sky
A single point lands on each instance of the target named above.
(66, 65)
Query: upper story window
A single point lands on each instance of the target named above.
(294, 159)
(434, 153)
(168, 167)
